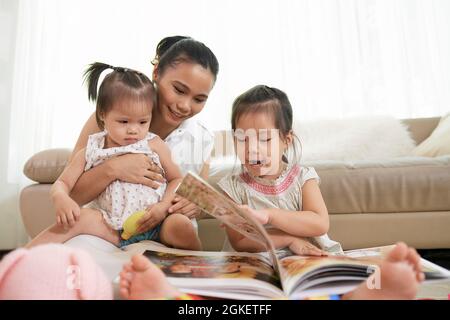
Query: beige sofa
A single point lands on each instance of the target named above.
(370, 203)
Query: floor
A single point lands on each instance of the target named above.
(439, 256)
(3, 252)
(439, 290)
(435, 291)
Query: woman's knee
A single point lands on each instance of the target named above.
(176, 227)
(177, 223)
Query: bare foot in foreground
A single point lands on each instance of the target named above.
(140, 279)
(398, 277)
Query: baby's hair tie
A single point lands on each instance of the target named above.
(120, 69)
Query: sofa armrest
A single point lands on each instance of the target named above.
(36, 208)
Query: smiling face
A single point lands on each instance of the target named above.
(127, 124)
(182, 92)
(259, 145)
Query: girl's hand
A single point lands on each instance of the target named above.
(262, 216)
(184, 207)
(303, 247)
(137, 168)
(67, 211)
(153, 216)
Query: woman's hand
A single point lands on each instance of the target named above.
(185, 207)
(137, 168)
(67, 211)
(152, 217)
(262, 216)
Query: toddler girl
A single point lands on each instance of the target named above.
(125, 101)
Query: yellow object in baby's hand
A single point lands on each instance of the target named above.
(130, 225)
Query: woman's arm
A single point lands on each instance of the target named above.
(133, 168)
(90, 127)
(157, 212)
(171, 169)
(313, 221)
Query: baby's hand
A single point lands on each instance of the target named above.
(261, 216)
(67, 211)
(152, 217)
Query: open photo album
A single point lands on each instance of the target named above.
(274, 274)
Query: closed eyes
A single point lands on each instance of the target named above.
(182, 92)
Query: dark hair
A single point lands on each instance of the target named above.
(267, 100)
(264, 99)
(173, 50)
(122, 84)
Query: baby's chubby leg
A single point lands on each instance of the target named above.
(177, 231)
(90, 222)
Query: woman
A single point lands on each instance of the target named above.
(184, 73)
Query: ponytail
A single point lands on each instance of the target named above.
(91, 76)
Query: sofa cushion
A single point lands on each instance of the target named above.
(46, 166)
(421, 128)
(438, 143)
(409, 184)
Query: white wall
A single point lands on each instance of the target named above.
(11, 229)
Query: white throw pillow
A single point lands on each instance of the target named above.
(438, 143)
(362, 138)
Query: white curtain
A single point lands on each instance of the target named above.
(334, 58)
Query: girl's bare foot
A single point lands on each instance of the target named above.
(140, 279)
(397, 278)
